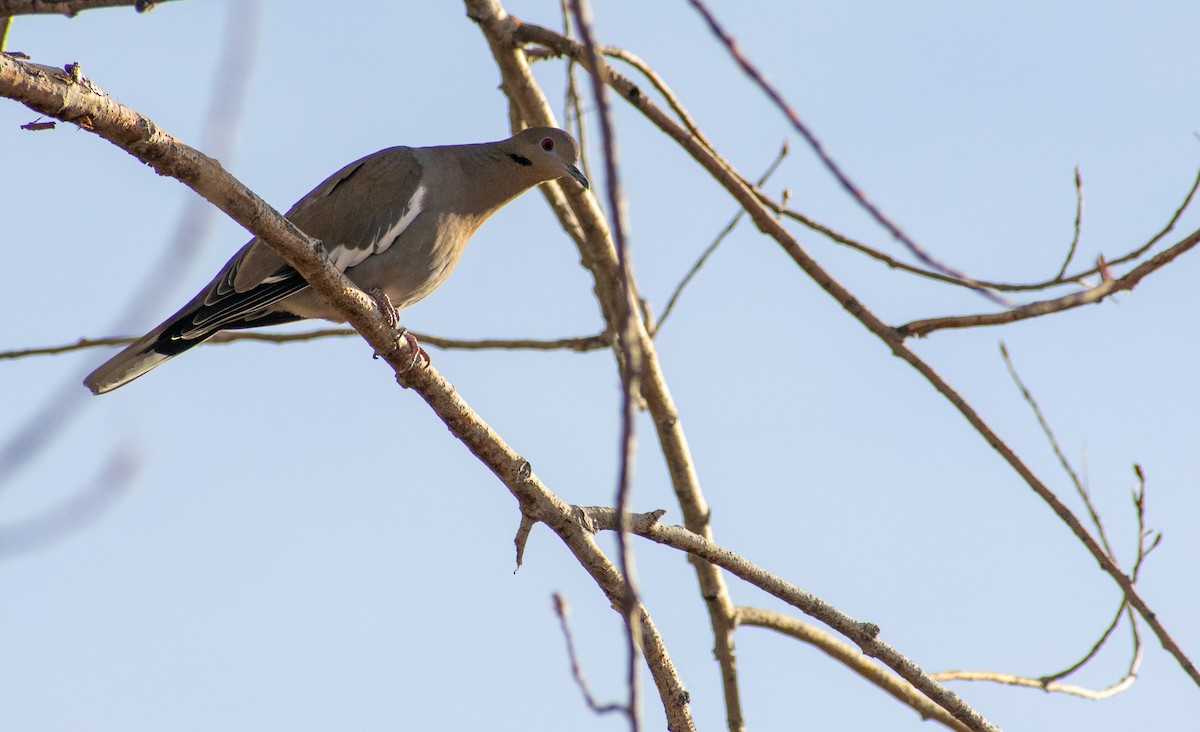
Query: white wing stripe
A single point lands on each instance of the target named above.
(344, 258)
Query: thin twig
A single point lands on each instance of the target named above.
(1048, 682)
(864, 635)
(1078, 225)
(783, 151)
(765, 219)
(1065, 279)
(827, 160)
(851, 657)
(221, 118)
(1032, 683)
(1090, 296)
(581, 344)
(1080, 488)
(561, 610)
(660, 85)
(1139, 503)
(1108, 631)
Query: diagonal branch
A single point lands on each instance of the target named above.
(708, 251)
(766, 222)
(581, 217)
(67, 100)
(864, 635)
(69, 7)
(827, 160)
(1092, 295)
(852, 658)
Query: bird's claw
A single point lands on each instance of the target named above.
(390, 313)
(418, 353)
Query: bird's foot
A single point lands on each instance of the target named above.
(418, 353)
(390, 313)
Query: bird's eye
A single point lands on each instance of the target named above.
(547, 144)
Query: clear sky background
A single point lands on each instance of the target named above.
(301, 545)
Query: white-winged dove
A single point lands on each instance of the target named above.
(395, 222)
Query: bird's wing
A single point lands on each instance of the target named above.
(356, 212)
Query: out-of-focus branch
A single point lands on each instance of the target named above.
(85, 505)
(225, 107)
(629, 357)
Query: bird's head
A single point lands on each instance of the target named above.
(549, 149)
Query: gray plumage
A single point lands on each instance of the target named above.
(396, 220)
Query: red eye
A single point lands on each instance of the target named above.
(547, 144)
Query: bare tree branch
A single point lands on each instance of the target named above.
(580, 344)
(851, 657)
(827, 160)
(1078, 225)
(1080, 488)
(864, 635)
(582, 219)
(1091, 653)
(70, 101)
(224, 109)
(766, 222)
(1062, 280)
(85, 506)
(629, 356)
(1130, 280)
(561, 609)
(783, 151)
(69, 7)
(1032, 683)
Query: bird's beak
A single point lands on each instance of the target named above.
(574, 173)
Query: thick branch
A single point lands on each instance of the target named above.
(769, 225)
(68, 7)
(852, 658)
(68, 100)
(580, 215)
(864, 635)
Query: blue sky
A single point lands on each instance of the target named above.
(304, 546)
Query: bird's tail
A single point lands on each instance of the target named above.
(139, 357)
